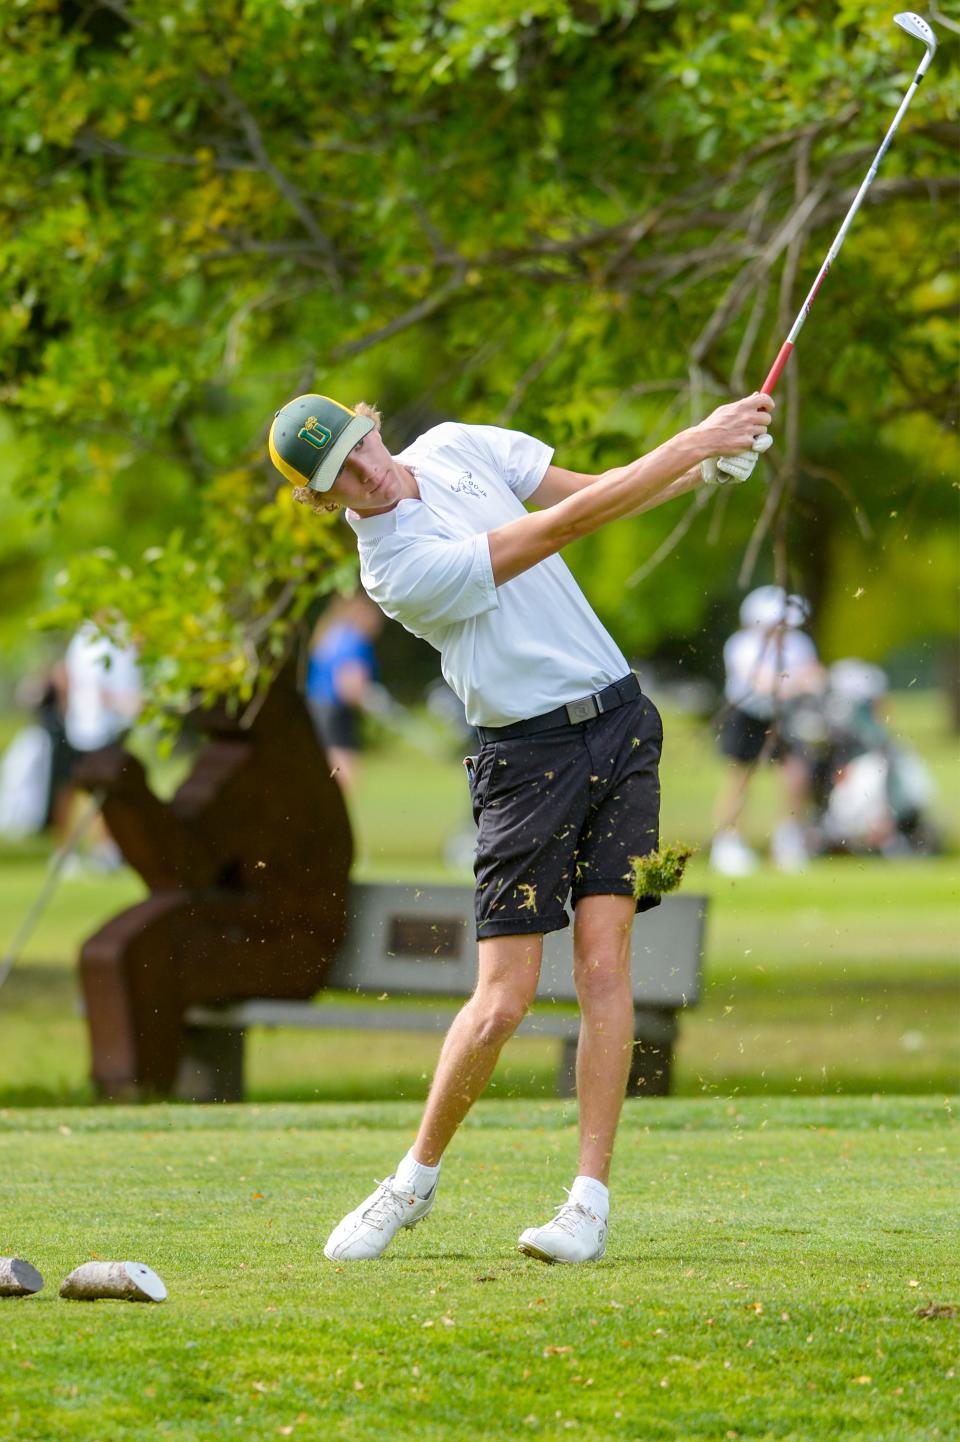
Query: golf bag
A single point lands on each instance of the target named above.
(869, 794)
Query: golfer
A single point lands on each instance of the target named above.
(565, 787)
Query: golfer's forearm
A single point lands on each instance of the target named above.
(627, 489)
(622, 492)
(689, 481)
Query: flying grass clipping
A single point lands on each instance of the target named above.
(660, 872)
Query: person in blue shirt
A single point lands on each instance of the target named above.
(341, 677)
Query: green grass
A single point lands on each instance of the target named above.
(407, 804)
(843, 978)
(772, 1239)
(767, 1259)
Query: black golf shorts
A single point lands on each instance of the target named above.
(560, 814)
(337, 725)
(741, 737)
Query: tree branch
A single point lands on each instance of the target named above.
(283, 183)
(532, 374)
(426, 307)
(90, 142)
(841, 484)
(701, 499)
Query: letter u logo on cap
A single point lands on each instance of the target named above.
(314, 433)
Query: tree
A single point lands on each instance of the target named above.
(588, 220)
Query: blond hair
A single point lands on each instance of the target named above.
(310, 498)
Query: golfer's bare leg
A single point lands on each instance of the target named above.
(601, 969)
(796, 786)
(507, 983)
(343, 766)
(733, 796)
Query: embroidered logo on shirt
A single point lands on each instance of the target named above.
(468, 485)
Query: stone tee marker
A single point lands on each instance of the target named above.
(124, 1281)
(18, 1278)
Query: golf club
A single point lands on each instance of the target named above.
(916, 26)
(919, 28)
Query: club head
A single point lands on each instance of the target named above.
(920, 29)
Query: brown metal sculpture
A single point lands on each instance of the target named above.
(247, 868)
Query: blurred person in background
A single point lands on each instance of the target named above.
(770, 664)
(36, 766)
(104, 698)
(342, 679)
(875, 793)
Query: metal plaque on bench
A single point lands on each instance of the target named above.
(419, 936)
(414, 940)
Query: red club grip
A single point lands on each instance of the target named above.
(776, 368)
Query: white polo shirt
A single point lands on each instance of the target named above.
(757, 663)
(509, 652)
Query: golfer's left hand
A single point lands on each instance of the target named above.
(734, 470)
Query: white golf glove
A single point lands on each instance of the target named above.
(734, 470)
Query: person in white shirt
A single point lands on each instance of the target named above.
(103, 689)
(565, 788)
(103, 698)
(769, 663)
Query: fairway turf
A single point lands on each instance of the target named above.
(766, 1262)
(841, 979)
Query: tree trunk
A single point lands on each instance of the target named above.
(951, 680)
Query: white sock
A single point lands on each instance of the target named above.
(413, 1176)
(591, 1194)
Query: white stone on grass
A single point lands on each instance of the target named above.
(18, 1278)
(126, 1281)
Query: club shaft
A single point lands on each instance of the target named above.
(791, 340)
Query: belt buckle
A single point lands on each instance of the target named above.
(583, 710)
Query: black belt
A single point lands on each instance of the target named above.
(573, 714)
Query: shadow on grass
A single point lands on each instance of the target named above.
(348, 1090)
(40, 1096)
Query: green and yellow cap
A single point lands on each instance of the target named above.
(311, 438)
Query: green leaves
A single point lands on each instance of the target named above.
(525, 212)
(213, 612)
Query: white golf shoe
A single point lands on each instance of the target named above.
(788, 847)
(367, 1232)
(575, 1235)
(731, 855)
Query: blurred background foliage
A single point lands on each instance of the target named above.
(591, 221)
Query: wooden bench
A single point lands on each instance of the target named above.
(419, 942)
